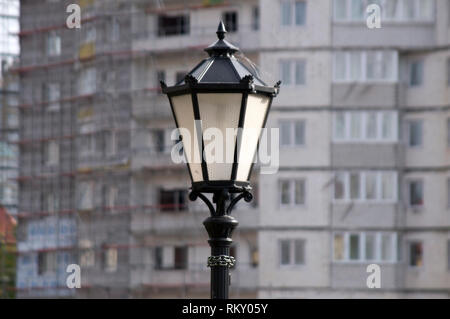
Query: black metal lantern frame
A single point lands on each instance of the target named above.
(244, 100)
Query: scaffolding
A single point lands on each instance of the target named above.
(97, 185)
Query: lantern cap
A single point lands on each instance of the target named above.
(221, 71)
(221, 46)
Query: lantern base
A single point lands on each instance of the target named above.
(232, 187)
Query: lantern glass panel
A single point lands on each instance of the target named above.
(220, 111)
(257, 107)
(184, 113)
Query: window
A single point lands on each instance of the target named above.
(230, 19)
(53, 44)
(180, 257)
(448, 192)
(159, 141)
(448, 67)
(379, 186)
(158, 256)
(87, 258)
(110, 259)
(51, 203)
(255, 18)
(89, 35)
(52, 95)
(87, 81)
(46, 262)
(292, 252)
(365, 127)
(416, 73)
(448, 132)
(339, 247)
(52, 153)
(371, 246)
(85, 195)
(173, 25)
(170, 257)
(448, 254)
(415, 254)
(354, 247)
(293, 13)
(86, 141)
(415, 190)
(392, 10)
(365, 66)
(172, 200)
(292, 132)
(293, 72)
(110, 143)
(415, 133)
(365, 247)
(110, 195)
(114, 34)
(292, 192)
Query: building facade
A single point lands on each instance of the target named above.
(9, 115)
(363, 118)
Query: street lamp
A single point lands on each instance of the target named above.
(220, 93)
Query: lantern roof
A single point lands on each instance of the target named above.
(223, 68)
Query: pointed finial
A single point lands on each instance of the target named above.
(221, 31)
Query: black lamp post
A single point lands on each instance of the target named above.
(220, 92)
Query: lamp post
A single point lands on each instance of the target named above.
(221, 93)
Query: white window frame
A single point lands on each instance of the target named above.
(363, 67)
(292, 263)
(292, 192)
(292, 124)
(85, 187)
(408, 192)
(364, 122)
(362, 187)
(408, 248)
(53, 44)
(53, 103)
(292, 23)
(111, 144)
(111, 259)
(87, 81)
(52, 153)
(362, 247)
(293, 67)
(420, 61)
(408, 135)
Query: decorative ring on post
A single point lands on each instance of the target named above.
(221, 261)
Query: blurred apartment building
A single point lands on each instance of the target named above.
(364, 124)
(9, 114)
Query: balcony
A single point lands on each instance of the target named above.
(246, 38)
(151, 159)
(354, 275)
(403, 35)
(198, 275)
(163, 220)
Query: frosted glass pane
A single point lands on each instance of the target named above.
(182, 106)
(221, 111)
(257, 106)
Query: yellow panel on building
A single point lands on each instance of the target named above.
(87, 51)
